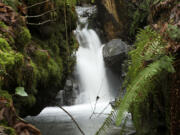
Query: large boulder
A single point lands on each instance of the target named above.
(114, 53)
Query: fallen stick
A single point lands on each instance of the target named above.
(72, 119)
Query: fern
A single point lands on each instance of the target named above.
(141, 78)
(143, 83)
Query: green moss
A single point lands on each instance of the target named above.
(139, 16)
(6, 34)
(9, 59)
(3, 25)
(7, 55)
(47, 59)
(173, 32)
(8, 130)
(4, 46)
(6, 95)
(28, 101)
(41, 56)
(23, 37)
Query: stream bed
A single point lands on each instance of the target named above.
(54, 121)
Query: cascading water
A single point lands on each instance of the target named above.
(90, 65)
(92, 83)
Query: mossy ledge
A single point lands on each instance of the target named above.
(36, 56)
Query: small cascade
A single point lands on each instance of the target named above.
(90, 67)
(90, 64)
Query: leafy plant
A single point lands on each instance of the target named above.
(173, 32)
(21, 92)
(148, 64)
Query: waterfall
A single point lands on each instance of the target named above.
(89, 63)
(92, 80)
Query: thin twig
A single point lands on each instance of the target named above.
(97, 98)
(36, 16)
(40, 23)
(36, 4)
(72, 120)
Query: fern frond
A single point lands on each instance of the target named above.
(137, 91)
(141, 78)
(142, 84)
(107, 123)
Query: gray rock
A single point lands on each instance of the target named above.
(114, 53)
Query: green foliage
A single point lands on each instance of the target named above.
(173, 32)
(3, 25)
(42, 62)
(149, 47)
(140, 14)
(149, 63)
(4, 45)
(8, 130)
(6, 95)
(21, 92)
(109, 121)
(8, 57)
(143, 83)
(46, 68)
(27, 101)
(23, 37)
(12, 3)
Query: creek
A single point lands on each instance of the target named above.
(92, 104)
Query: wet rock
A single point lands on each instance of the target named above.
(115, 53)
(59, 98)
(68, 95)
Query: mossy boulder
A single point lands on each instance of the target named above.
(23, 37)
(9, 57)
(37, 58)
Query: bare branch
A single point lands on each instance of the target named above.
(72, 119)
(97, 98)
(36, 4)
(36, 16)
(40, 23)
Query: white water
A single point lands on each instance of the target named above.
(90, 65)
(92, 82)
